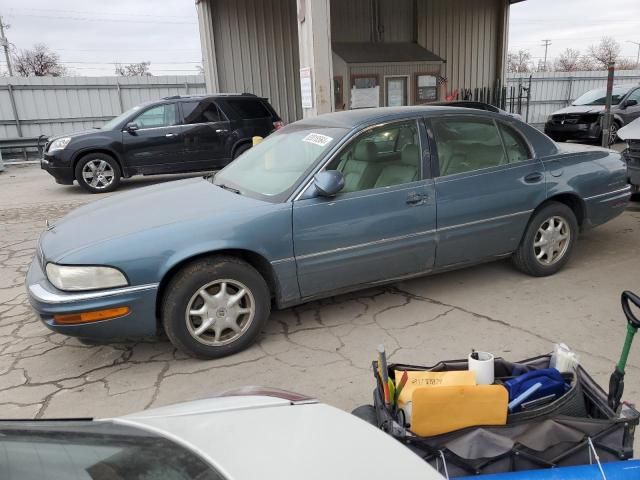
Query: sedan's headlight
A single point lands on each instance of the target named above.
(76, 278)
(59, 144)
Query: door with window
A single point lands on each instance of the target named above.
(631, 111)
(395, 91)
(488, 184)
(156, 146)
(206, 133)
(381, 226)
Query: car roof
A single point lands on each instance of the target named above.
(246, 96)
(359, 117)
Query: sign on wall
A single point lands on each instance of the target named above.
(306, 88)
(365, 97)
(427, 88)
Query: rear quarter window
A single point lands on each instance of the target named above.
(542, 144)
(249, 108)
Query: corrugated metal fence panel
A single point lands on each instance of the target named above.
(551, 91)
(264, 34)
(52, 106)
(466, 33)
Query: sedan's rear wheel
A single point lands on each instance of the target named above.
(215, 307)
(548, 241)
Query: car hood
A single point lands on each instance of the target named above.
(630, 131)
(141, 210)
(81, 133)
(257, 437)
(580, 109)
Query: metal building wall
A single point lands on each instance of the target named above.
(256, 48)
(352, 20)
(52, 106)
(468, 34)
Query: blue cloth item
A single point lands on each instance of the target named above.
(552, 384)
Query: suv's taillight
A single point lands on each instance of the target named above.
(278, 125)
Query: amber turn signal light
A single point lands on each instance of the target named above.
(88, 317)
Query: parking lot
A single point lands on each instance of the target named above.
(322, 349)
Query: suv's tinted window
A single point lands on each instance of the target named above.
(202, 111)
(515, 146)
(160, 116)
(95, 451)
(249, 108)
(466, 144)
(385, 156)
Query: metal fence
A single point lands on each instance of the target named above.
(551, 91)
(34, 106)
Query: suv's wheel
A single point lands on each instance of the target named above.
(241, 149)
(215, 307)
(98, 173)
(548, 241)
(613, 133)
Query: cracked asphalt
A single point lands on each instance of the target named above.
(323, 349)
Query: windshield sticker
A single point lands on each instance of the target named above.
(317, 139)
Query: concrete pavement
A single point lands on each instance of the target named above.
(324, 348)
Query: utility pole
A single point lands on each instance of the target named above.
(546, 44)
(638, 57)
(5, 44)
(608, 138)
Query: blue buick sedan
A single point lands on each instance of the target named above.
(326, 205)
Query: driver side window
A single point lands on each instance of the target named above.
(160, 116)
(382, 157)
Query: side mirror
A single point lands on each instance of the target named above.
(328, 183)
(630, 103)
(131, 127)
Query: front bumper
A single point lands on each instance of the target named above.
(573, 131)
(48, 301)
(62, 173)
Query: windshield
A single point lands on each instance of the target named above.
(599, 96)
(272, 169)
(94, 451)
(116, 120)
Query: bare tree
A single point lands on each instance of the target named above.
(37, 62)
(604, 52)
(568, 61)
(520, 61)
(626, 64)
(133, 69)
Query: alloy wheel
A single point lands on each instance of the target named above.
(220, 312)
(98, 174)
(613, 133)
(552, 240)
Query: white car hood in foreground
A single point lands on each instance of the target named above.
(630, 131)
(266, 438)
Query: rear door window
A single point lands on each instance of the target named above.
(515, 146)
(202, 111)
(249, 108)
(467, 144)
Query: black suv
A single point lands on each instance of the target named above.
(173, 135)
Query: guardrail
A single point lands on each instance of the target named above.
(22, 143)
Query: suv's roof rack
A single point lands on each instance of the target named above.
(244, 94)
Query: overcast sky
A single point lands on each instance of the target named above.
(573, 24)
(91, 35)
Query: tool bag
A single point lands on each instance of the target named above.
(571, 430)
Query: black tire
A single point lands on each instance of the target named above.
(524, 258)
(183, 289)
(107, 180)
(241, 149)
(366, 413)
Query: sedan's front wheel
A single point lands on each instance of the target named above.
(215, 307)
(548, 241)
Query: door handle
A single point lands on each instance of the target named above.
(221, 130)
(169, 135)
(534, 177)
(415, 198)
